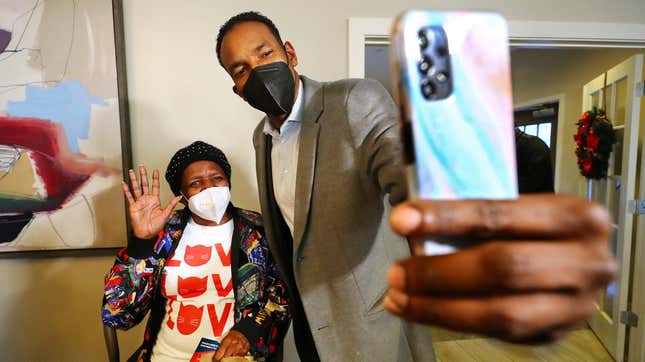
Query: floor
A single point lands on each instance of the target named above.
(579, 345)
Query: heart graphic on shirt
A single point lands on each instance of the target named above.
(189, 318)
(197, 255)
(191, 287)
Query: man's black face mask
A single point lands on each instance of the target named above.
(271, 89)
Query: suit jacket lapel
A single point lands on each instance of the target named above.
(236, 242)
(313, 107)
(264, 175)
(261, 167)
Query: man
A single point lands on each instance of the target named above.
(326, 155)
(534, 170)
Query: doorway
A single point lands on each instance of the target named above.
(539, 120)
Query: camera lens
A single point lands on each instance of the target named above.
(425, 64)
(441, 77)
(423, 39)
(427, 88)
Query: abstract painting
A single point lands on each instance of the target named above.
(64, 136)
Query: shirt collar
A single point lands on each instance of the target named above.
(294, 116)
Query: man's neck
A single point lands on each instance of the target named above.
(278, 121)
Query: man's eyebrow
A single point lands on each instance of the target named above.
(238, 63)
(235, 65)
(259, 47)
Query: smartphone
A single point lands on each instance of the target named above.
(452, 83)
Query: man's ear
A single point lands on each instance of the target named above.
(240, 93)
(291, 54)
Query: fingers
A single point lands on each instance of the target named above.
(221, 351)
(545, 259)
(232, 345)
(171, 205)
(531, 216)
(136, 189)
(155, 182)
(144, 188)
(126, 192)
(516, 318)
(500, 266)
(143, 175)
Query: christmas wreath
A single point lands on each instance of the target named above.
(594, 140)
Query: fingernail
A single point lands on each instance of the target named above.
(406, 219)
(396, 277)
(395, 301)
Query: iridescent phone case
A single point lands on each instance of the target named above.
(451, 73)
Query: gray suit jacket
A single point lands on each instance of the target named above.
(349, 162)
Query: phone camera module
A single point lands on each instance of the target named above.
(433, 65)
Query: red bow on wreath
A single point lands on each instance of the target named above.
(594, 140)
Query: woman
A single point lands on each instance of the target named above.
(203, 271)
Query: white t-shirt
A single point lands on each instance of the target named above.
(197, 282)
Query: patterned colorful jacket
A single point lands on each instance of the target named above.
(132, 287)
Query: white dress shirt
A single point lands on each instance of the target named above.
(284, 159)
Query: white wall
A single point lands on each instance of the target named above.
(178, 94)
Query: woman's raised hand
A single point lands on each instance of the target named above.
(146, 214)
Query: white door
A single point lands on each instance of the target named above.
(636, 351)
(623, 110)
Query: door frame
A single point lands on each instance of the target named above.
(548, 34)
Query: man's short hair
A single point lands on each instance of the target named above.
(244, 17)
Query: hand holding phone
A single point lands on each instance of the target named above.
(544, 257)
